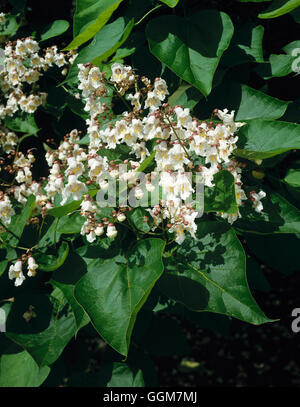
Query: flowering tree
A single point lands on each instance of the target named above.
(144, 195)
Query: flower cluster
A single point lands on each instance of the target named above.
(16, 270)
(23, 65)
(177, 145)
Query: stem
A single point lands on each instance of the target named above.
(149, 12)
(9, 231)
(182, 145)
(40, 229)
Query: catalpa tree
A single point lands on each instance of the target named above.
(144, 173)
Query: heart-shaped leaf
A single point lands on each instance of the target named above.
(89, 18)
(209, 274)
(261, 139)
(112, 293)
(189, 47)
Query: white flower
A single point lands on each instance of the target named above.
(183, 116)
(256, 199)
(15, 271)
(111, 231)
(168, 184)
(150, 187)
(177, 157)
(178, 229)
(121, 73)
(95, 77)
(74, 167)
(152, 101)
(183, 186)
(99, 229)
(91, 236)
(32, 266)
(135, 100)
(118, 73)
(138, 193)
(88, 206)
(160, 88)
(6, 210)
(75, 188)
(121, 217)
(103, 184)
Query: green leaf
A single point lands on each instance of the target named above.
(65, 279)
(189, 47)
(137, 218)
(47, 335)
(89, 18)
(104, 44)
(10, 27)
(249, 103)
(111, 374)
(290, 47)
(293, 178)
(113, 294)
(146, 162)
(261, 139)
(122, 375)
(221, 197)
(71, 223)
(3, 265)
(255, 47)
(279, 8)
(257, 105)
(280, 65)
(18, 222)
(22, 122)
(246, 45)
(49, 234)
(51, 262)
(211, 275)
(57, 28)
(20, 370)
(170, 3)
(59, 211)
